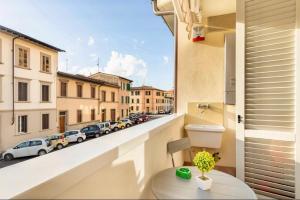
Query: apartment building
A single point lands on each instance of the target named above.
(83, 100)
(147, 99)
(169, 101)
(124, 92)
(27, 87)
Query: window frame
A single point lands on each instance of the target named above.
(17, 90)
(1, 50)
(93, 92)
(79, 116)
(20, 123)
(113, 97)
(93, 114)
(49, 92)
(81, 90)
(103, 95)
(42, 122)
(42, 55)
(17, 56)
(64, 82)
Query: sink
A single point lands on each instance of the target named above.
(207, 136)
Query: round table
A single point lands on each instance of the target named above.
(166, 185)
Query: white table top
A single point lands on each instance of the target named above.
(166, 185)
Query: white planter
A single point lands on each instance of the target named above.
(204, 185)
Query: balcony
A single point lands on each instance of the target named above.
(119, 165)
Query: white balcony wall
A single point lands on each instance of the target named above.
(119, 165)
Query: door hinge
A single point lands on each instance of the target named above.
(240, 119)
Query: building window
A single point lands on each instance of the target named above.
(122, 99)
(22, 124)
(45, 63)
(103, 96)
(132, 100)
(122, 113)
(137, 93)
(148, 93)
(113, 97)
(157, 93)
(127, 99)
(137, 108)
(79, 90)
(128, 87)
(131, 108)
(127, 112)
(22, 57)
(137, 100)
(22, 91)
(147, 100)
(93, 92)
(79, 116)
(0, 51)
(93, 114)
(45, 121)
(132, 93)
(45, 93)
(63, 89)
(103, 113)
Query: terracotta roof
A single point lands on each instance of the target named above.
(26, 37)
(113, 75)
(145, 87)
(87, 79)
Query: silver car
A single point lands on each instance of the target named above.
(105, 127)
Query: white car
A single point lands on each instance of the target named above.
(75, 136)
(32, 147)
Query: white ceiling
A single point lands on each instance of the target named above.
(209, 7)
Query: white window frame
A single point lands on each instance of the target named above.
(17, 64)
(20, 124)
(41, 92)
(17, 90)
(41, 63)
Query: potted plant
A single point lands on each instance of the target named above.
(205, 162)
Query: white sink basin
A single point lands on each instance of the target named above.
(208, 136)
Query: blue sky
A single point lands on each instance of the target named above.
(126, 36)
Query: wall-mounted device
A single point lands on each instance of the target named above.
(229, 68)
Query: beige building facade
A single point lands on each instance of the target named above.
(82, 101)
(124, 92)
(147, 99)
(27, 88)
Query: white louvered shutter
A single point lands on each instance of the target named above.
(270, 97)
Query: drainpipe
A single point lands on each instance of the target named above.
(164, 13)
(13, 80)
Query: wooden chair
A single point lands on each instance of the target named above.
(179, 145)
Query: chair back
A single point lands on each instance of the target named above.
(178, 145)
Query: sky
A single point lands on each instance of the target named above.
(124, 35)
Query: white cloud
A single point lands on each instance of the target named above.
(91, 41)
(166, 59)
(128, 66)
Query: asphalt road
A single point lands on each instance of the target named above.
(18, 160)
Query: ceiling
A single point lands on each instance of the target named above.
(209, 8)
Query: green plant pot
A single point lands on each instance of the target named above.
(184, 173)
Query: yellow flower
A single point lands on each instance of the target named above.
(204, 161)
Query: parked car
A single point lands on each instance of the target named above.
(75, 136)
(114, 126)
(92, 131)
(161, 112)
(32, 147)
(127, 122)
(143, 118)
(58, 141)
(105, 127)
(135, 119)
